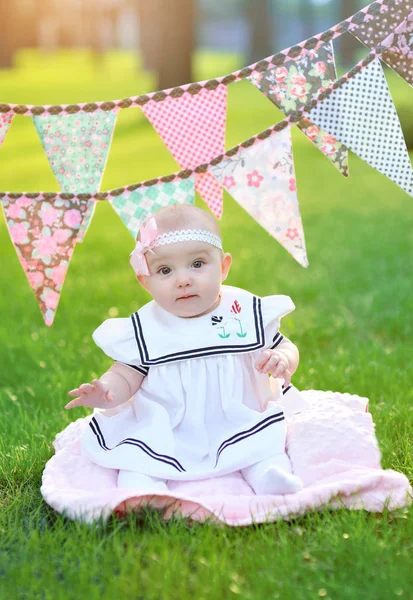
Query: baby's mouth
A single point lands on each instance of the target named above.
(186, 297)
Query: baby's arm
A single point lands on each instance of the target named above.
(280, 362)
(114, 387)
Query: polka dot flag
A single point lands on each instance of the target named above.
(362, 115)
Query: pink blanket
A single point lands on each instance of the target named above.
(332, 447)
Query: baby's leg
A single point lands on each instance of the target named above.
(272, 476)
(133, 480)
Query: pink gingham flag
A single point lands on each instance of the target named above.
(193, 130)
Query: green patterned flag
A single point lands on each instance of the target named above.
(133, 207)
(77, 147)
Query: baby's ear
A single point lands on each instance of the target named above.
(142, 281)
(226, 265)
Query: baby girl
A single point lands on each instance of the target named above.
(191, 372)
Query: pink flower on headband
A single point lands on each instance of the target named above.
(147, 236)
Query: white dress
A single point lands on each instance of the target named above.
(203, 409)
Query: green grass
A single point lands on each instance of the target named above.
(352, 324)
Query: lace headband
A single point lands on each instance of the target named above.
(149, 239)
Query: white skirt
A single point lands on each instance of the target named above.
(192, 420)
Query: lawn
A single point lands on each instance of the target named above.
(352, 324)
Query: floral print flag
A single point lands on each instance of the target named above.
(133, 207)
(362, 115)
(389, 18)
(44, 233)
(193, 129)
(261, 179)
(299, 81)
(77, 148)
(5, 122)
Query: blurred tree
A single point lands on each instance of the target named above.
(348, 43)
(7, 39)
(306, 9)
(167, 39)
(150, 28)
(259, 17)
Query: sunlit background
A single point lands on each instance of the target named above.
(166, 34)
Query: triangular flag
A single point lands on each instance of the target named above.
(193, 129)
(296, 83)
(134, 206)
(373, 27)
(77, 148)
(261, 178)
(44, 234)
(5, 122)
(362, 115)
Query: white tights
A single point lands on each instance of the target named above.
(272, 476)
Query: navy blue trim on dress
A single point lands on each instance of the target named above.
(98, 434)
(242, 435)
(169, 460)
(277, 339)
(142, 370)
(199, 352)
(285, 390)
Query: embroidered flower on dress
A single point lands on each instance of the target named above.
(236, 308)
(215, 320)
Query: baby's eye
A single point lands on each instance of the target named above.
(164, 270)
(197, 264)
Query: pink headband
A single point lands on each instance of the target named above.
(145, 244)
(149, 239)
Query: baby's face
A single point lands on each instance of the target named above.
(185, 278)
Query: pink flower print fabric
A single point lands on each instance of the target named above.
(362, 115)
(397, 18)
(77, 147)
(299, 81)
(193, 130)
(44, 233)
(261, 179)
(5, 122)
(403, 43)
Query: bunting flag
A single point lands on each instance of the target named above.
(5, 122)
(362, 115)
(193, 129)
(391, 17)
(44, 235)
(134, 206)
(296, 83)
(261, 179)
(77, 146)
(356, 113)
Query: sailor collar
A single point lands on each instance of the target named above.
(234, 326)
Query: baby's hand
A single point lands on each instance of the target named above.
(93, 395)
(275, 363)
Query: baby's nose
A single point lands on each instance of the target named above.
(183, 278)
